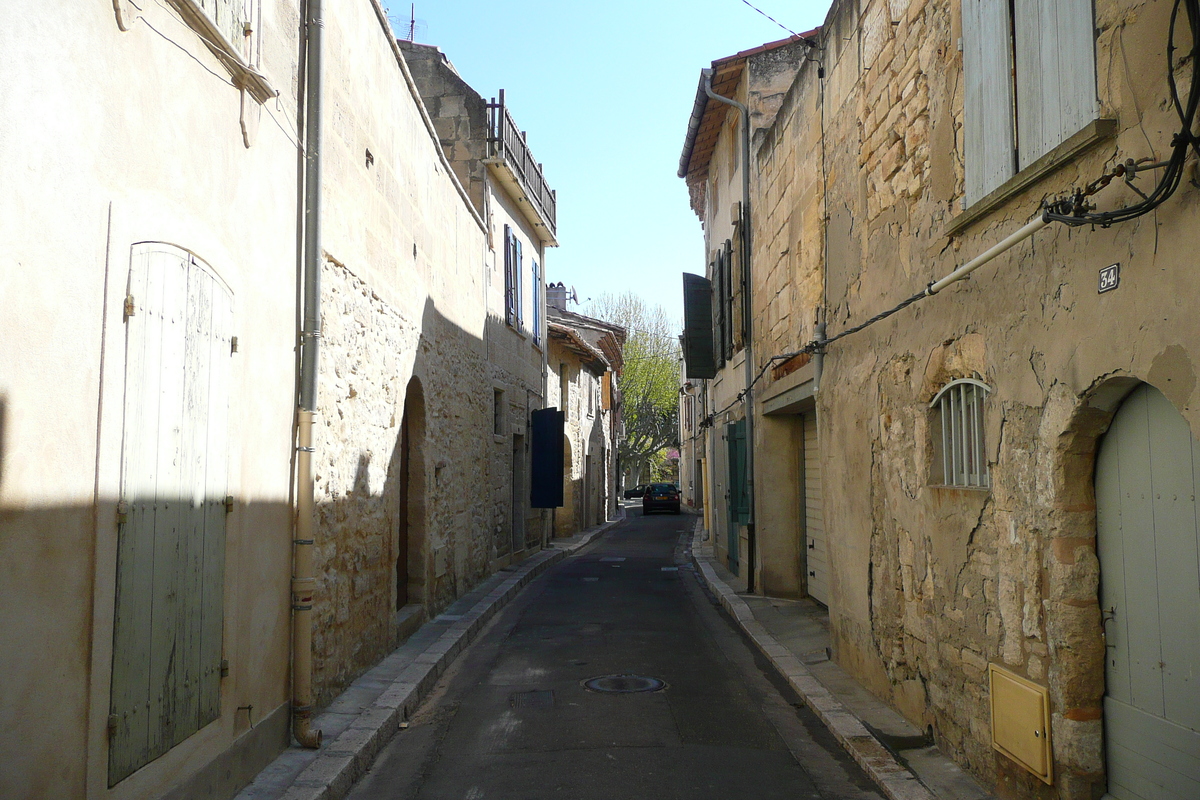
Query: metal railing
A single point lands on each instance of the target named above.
(506, 142)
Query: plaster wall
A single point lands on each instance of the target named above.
(110, 138)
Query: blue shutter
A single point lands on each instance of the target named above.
(518, 268)
(537, 303)
(510, 308)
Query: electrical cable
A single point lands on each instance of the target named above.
(1076, 210)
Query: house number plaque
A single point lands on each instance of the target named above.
(1110, 278)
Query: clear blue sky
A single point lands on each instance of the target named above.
(605, 91)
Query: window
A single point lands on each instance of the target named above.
(537, 303)
(498, 412)
(512, 278)
(722, 271)
(564, 388)
(957, 429)
(591, 395)
(1030, 83)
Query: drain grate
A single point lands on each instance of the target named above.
(624, 684)
(539, 698)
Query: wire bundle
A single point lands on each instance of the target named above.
(1075, 210)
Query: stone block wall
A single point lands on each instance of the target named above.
(931, 584)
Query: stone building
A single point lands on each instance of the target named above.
(493, 162)
(1007, 460)
(712, 165)
(585, 363)
(152, 493)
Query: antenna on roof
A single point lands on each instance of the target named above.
(413, 26)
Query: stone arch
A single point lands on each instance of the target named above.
(1074, 627)
(564, 516)
(409, 534)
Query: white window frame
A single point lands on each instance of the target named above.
(958, 437)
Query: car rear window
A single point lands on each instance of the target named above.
(661, 488)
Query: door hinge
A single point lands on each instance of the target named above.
(113, 721)
(232, 345)
(224, 667)
(130, 309)
(228, 504)
(122, 512)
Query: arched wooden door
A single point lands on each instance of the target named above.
(1148, 541)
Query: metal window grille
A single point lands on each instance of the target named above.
(959, 407)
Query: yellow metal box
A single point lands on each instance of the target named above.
(1021, 721)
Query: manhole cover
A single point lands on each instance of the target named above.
(624, 684)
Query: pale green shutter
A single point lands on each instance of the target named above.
(1056, 73)
(989, 157)
(167, 625)
(229, 17)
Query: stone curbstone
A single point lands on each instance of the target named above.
(895, 780)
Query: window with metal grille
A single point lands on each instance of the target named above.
(960, 458)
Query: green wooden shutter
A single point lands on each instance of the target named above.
(718, 311)
(727, 299)
(988, 96)
(698, 327)
(168, 618)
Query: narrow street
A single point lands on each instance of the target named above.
(513, 719)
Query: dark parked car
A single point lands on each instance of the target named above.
(661, 497)
(636, 491)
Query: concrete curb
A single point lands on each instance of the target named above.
(342, 761)
(896, 781)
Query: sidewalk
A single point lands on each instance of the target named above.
(794, 636)
(361, 721)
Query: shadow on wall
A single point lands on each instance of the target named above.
(3, 433)
(418, 539)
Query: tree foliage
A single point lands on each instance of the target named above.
(650, 381)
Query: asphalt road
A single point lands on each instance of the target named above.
(512, 718)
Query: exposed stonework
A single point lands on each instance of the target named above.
(858, 183)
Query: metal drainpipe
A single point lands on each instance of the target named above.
(303, 582)
(748, 325)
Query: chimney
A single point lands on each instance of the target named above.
(556, 295)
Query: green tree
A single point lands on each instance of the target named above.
(649, 383)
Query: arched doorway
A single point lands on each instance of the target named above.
(409, 542)
(1148, 541)
(564, 516)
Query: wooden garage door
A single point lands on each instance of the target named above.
(167, 629)
(816, 557)
(1147, 480)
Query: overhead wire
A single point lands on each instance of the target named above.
(1074, 210)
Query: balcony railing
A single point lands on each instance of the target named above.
(507, 143)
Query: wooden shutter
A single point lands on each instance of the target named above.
(229, 17)
(1056, 73)
(168, 619)
(510, 307)
(518, 268)
(718, 311)
(547, 427)
(739, 493)
(988, 96)
(537, 302)
(698, 358)
(727, 282)
(606, 391)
